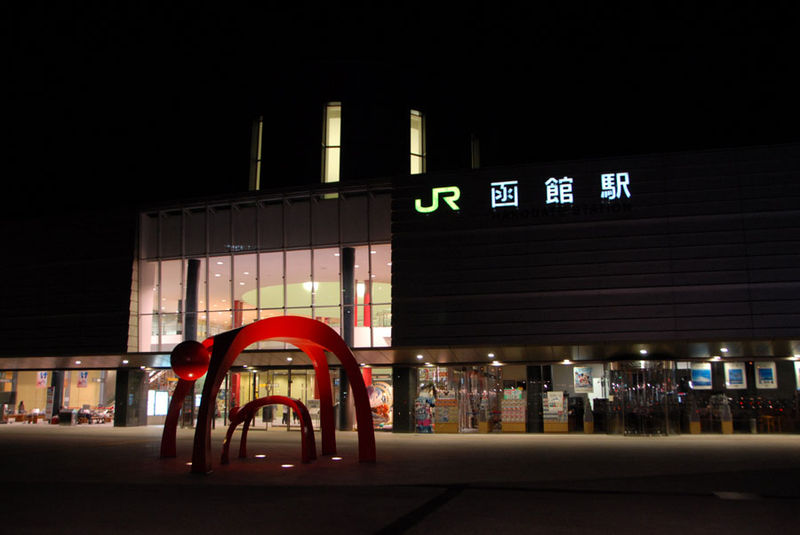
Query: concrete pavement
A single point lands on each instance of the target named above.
(98, 479)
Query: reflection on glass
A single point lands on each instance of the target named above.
(330, 316)
(298, 278)
(219, 322)
(326, 277)
(270, 281)
(171, 286)
(245, 293)
(219, 283)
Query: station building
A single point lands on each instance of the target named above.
(644, 294)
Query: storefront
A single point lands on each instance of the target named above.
(647, 295)
(37, 396)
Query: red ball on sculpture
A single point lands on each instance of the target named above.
(190, 360)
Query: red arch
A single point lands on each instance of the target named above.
(313, 337)
(168, 435)
(308, 445)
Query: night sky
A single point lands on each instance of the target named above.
(141, 103)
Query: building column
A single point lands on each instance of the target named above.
(57, 384)
(539, 382)
(130, 402)
(345, 400)
(404, 387)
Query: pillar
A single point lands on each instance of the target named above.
(539, 377)
(190, 331)
(344, 403)
(57, 382)
(130, 402)
(404, 386)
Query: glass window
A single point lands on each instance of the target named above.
(244, 228)
(171, 286)
(245, 282)
(219, 283)
(270, 280)
(219, 322)
(195, 231)
(148, 235)
(381, 267)
(331, 142)
(330, 316)
(417, 142)
(219, 229)
(326, 277)
(148, 287)
(270, 225)
(299, 285)
(171, 226)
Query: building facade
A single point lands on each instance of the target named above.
(649, 294)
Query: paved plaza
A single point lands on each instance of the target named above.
(101, 479)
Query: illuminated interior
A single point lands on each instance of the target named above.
(235, 290)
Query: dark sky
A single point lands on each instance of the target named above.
(131, 101)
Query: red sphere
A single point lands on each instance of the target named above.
(190, 360)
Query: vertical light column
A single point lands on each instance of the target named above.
(417, 143)
(255, 154)
(332, 143)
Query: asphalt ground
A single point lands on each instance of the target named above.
(101, 479)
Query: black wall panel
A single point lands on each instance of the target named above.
(706, 247)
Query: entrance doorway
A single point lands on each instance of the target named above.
(479, 393)
(644, 398)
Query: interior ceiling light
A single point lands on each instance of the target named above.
(566, 361)
(724, 349)
(491, 355)
(643, 351)
(77, 362)
(420, 357)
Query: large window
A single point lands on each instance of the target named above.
(417, 143)
(240, 264)
(332, 142)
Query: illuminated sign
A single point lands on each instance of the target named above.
(449, 194)
(559, 191)
(505, 193)
(614, 185)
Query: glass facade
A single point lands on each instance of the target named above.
(207, 269)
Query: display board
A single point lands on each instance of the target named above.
(735, 376)
(701, 376)
(766, 375)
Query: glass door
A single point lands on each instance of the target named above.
(644, 398)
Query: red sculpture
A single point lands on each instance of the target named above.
(310, 336)
(190, 360)
(246, 413)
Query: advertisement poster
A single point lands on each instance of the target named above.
(83, 379)
(735, 377)
(701, 376)
(766, 377)
(555, 409)
(41, 380)
(583, 380)
(51, 391)
(797, 375)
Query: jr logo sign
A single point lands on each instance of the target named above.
(449, 194)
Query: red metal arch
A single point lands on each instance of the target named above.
(313, 337)
(308, 444)
(168, 435)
